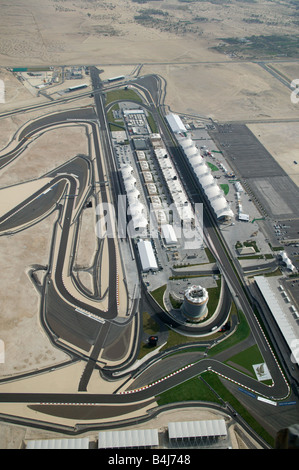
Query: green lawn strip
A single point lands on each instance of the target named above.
(212, 167)
(225, 188)
(210, 256)
(152, 124)
(122, 95)
(192, 389)
(158, 295)
(214, 294)
(174, 302)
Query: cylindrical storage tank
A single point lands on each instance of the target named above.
(195, 305)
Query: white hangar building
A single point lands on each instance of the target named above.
(175, 123)
(147, 256)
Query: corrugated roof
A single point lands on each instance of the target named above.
(59, 444)
(147, 256)
(272, 301)
(128, 438)
(187, 429)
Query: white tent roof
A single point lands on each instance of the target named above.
(213, 191)
(206, 180)
(191, 151)
(186, 142)
(130, 438)
(201, 170)
(287, 260)
(147, 256)
(203, 173)
(168, 234)
(187, 429)
(140, 221)
(221, 207)
(196, 160)
(175, 123)
(136, 208)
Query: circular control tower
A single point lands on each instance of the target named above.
(195, 305)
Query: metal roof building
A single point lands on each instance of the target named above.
(280, 317)
(175, 123)
(168, 234)
(128, 439)
(197, 429)
(147, 256)
(59, 444)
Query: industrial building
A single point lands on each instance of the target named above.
(168, 235)
(195, 304)
(180, 434)
(175, 123)
(147, 256)
(136, 439)
(274, 301)
(201, 170)
(58, 443)
(196, 432)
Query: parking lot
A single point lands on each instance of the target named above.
(274, 192)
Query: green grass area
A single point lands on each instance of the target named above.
(214, 294)
(152, 124)
(241, 333)
(122, 95)
(150, 327)
(210, 256)
(247, 358)
(212, 167)
(158, 295)
(174, 302)
(193, 389)
(225, 188)
(277, 272)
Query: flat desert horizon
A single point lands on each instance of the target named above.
(125, 31)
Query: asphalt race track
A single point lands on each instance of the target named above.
(61, 315)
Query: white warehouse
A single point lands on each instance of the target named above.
(147, 256)
(175, 123)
